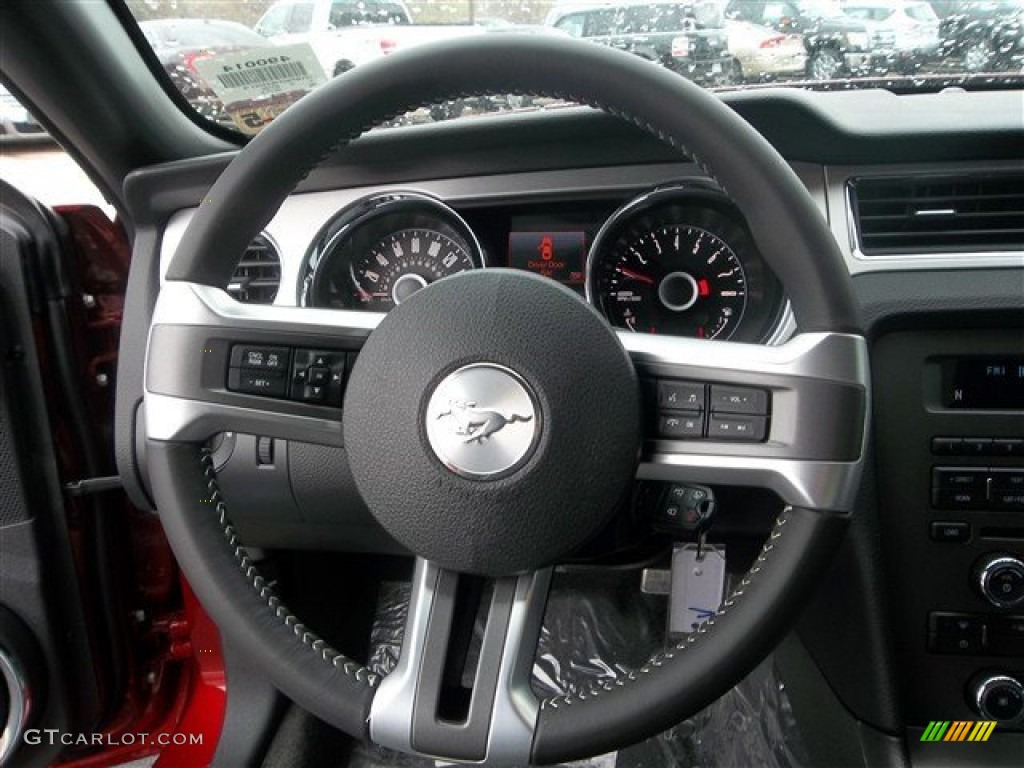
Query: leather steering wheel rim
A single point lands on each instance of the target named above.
(784, 221)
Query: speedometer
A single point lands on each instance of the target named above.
(381, 250)
(679, 261)
(405, 261)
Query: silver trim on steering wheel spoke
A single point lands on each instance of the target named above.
(185, 400)
(814, 451)
(503, 710)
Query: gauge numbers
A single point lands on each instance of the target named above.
(403, 262)
(673, 278)
(382, 249)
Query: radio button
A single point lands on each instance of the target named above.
(952, 532)
(746, 428)
(1008, 447)
(956, 633)
(1013, 500)
(1006, 635)
(959, 478)
(742, 400)
(958, 499)
(976, 446)
(1007, 479)
(946, 446)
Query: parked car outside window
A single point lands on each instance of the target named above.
(689, 39)
(837, 45)
(913, 25)
(762, 54)
(982, 35)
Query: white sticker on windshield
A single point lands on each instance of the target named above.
(258, 84)
(262, 72)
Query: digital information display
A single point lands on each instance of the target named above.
(984, 383)
(558, 255)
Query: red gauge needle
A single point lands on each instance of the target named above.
(636, 276)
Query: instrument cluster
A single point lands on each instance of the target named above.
(678, 260)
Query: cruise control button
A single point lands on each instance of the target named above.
(267, 383)
(748, 428)
(259, 358)
(739, 400)
(681, 395)
(314, 392)
(681, 425)
(318, 376)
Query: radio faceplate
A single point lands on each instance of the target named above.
(949, 439)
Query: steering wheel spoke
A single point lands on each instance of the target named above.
(802, 408)
(217, 365)
(426, 706)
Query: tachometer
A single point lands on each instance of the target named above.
(379, 252)
(678, 261)
(675, 279)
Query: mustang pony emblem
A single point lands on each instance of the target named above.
(477, 424)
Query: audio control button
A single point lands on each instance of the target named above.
(999, 578)
(950, 532)
(956, 633)
(997, 697)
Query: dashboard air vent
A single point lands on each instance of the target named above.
(258, 274)
(938, 214)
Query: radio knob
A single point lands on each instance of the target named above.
(999, 578)
(997, 697)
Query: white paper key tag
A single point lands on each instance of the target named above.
(698, 586)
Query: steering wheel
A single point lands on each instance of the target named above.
(509, 503)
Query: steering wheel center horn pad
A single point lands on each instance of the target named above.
(492, 422)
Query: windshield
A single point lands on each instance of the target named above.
(241, 63)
